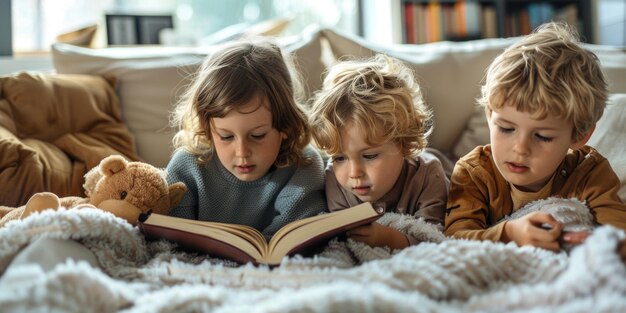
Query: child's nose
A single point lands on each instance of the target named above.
(356, 170)
(522, 145)
(242, 150)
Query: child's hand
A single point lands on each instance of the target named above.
(377, 235)
(575, 238)
(530, 230)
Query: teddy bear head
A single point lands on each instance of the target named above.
(128, 189)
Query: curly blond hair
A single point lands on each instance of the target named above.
(548, 72)
(379, 94)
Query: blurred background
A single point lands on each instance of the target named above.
(30, 26)
(37, 23)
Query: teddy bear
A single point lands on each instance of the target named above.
(126, 189)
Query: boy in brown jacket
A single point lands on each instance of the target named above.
(542, 98)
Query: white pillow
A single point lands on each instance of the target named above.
(608, 138)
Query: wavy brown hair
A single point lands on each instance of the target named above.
(230, 78)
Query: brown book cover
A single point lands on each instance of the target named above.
(243, 244)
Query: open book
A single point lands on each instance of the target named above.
(243, 243)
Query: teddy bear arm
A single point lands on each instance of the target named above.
(176, 192)
(71, 201)
(37, 203)
(4, 210)
(14, 214)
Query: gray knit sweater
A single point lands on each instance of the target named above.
(281, 196)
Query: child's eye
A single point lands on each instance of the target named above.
(338, 158)
(505, 130)
(543, 138)
(258, 136)
(226, 138)
(370, 156)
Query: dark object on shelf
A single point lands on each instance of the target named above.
(125, 29)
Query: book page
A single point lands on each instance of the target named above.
(295, 224)
(246, 232)
(306, 229)
(218, 231)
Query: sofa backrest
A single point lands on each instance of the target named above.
(150, 81)
(450, 73)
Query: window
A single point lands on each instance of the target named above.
(612, 25)
(36, 23)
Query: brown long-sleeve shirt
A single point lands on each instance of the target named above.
(480, 196)
(421, 190)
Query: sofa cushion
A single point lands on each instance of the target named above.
(449, 74)
(53, 128)
(148, 84)
(307, 53)
(476, 133)
(150, 81)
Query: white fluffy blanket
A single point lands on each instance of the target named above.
(449, 276)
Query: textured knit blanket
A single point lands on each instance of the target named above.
(442, 275)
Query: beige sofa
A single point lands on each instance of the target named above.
(149, 81)
(136, 275)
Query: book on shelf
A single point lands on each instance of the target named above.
(409, 22)
(435, 20)
(243, 244)
(489, 22)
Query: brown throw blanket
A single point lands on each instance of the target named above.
(53, 129)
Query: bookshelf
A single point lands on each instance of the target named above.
(426, 21)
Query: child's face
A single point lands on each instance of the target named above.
(245, 141)
(369, 172)
(528, 151)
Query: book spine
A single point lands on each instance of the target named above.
(409, 23)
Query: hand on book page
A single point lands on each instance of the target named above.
(244, 244)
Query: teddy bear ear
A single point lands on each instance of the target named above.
(176, 191)
(112, 164)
